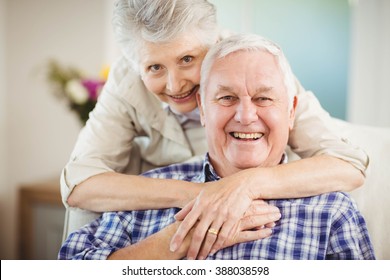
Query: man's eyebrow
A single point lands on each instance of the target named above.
(263, 89)
(226, 88)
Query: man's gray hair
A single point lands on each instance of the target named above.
(161, 21)
(248, 42)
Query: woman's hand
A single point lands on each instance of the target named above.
(219, 206)
(253, 226)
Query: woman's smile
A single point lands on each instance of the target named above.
(185, 97)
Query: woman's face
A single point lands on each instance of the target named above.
(172, 71)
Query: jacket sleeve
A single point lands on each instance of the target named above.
(106, 141)
(315, 133)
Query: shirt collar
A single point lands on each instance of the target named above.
(194, 115)
(209, 174)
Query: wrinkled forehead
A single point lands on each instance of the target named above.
(246, 70)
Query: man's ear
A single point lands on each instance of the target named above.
(292, 112)
(199, 101)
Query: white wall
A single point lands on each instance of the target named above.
(369, 94)
(112, 49)
(38, 129)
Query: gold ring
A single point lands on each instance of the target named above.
(213, 231)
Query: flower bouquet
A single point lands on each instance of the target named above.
(81, 93)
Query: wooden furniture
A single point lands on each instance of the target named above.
(41, 220)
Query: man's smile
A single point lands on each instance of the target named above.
(247, 136)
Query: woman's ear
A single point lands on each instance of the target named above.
(199, 101)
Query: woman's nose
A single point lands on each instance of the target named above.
(175, 82)
(246, 112)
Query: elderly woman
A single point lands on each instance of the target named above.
(147, 116)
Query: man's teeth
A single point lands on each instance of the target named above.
(254, 136)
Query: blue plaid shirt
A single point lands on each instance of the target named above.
(327, 226)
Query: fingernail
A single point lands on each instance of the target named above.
(276, 216)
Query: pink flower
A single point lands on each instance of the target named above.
(93, 87)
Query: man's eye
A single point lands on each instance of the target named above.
(263, 101)
(227, 100)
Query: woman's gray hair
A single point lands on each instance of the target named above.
(247, 42)
(160, 21)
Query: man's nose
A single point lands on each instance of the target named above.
(175, 82)
(246, 112)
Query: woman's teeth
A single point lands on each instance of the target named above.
(184, 95)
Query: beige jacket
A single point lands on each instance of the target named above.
(129, 131)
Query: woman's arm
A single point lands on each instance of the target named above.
(112, 191)
(315, 133)
(302, 178)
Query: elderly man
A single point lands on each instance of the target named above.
(247, 106)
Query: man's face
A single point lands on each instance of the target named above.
(245, 112)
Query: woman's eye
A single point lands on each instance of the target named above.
(155, 68)
(187, 59)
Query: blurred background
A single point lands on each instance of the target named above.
(339, 49)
